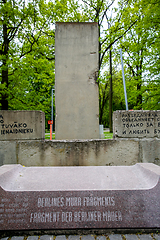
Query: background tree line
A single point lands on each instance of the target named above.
(27, 35)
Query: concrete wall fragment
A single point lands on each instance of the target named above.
(76, 89)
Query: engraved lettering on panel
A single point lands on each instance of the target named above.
(108, 215)
(136, 124)
(14, 127)
(13, 211)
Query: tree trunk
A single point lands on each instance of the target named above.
(139, 97)
(110, 92)
(5, 48)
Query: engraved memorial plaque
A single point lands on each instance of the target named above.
(79, 197)
(136, 124)
(22, 125)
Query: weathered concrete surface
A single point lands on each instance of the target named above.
(78, 153)
(76, 89)
(8, 154)
(136, 124)
(150, 150)
(22, 125)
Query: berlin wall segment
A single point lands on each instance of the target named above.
(113, 204)
(76, 88)
(136, 124)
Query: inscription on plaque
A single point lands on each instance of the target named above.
(14, 128)
(13, 212)
(112, 203)
(21, 125)
(49, 211)
(130, 124)
(76, 216)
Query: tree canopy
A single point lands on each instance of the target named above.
(27, 54)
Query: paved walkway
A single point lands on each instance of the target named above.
(150, 236)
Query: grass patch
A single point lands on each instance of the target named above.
(108, 135)
(47, 135)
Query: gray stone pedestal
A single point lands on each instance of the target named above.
(79, 197)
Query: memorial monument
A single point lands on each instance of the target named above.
(76, 88)
(92, 197)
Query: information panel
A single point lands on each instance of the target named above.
(136, 124)
(22, 125)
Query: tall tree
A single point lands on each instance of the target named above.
(21, 26)
(152, 24)
(104, 12)
(138, 44)
(30, 86)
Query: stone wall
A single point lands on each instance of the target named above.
(80, 153)
(121, 150)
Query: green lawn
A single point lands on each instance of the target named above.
(47, 135)
(108, 135)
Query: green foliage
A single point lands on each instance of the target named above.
(140, 49)
(108, 135)
(118, 95)
(27, 62)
